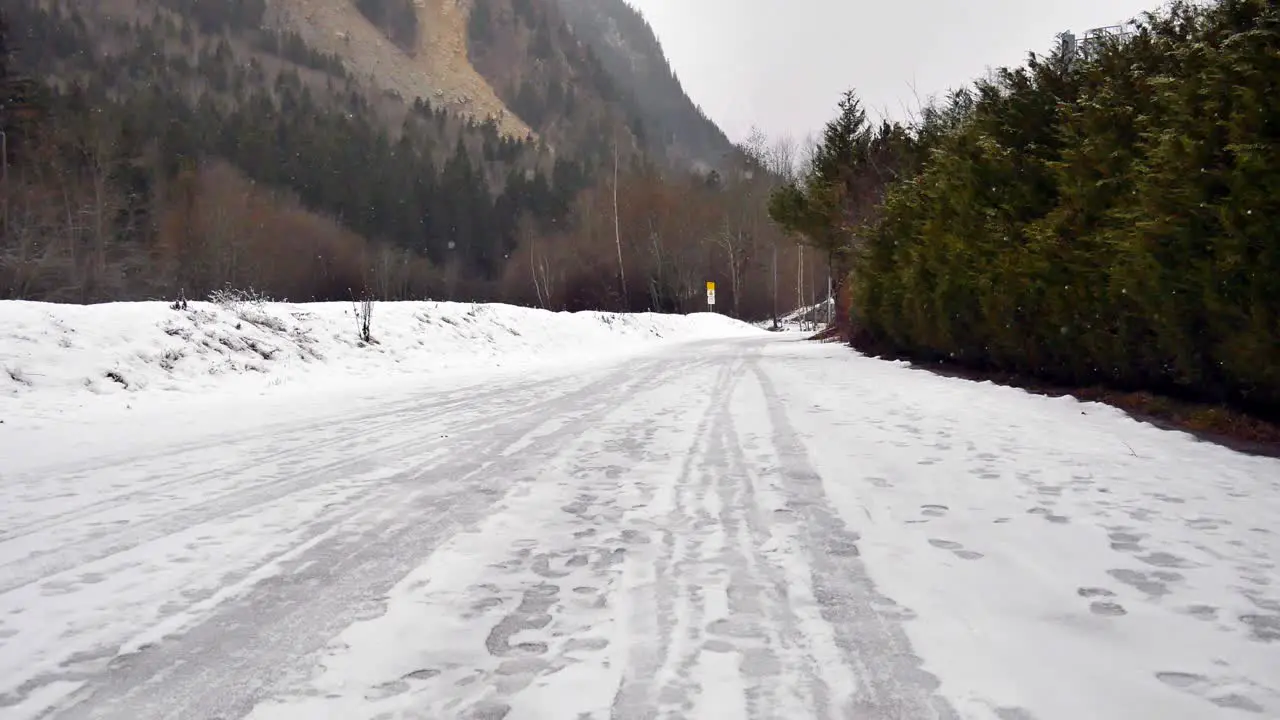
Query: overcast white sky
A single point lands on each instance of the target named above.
(782, 64)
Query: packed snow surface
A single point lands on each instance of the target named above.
(537, 515)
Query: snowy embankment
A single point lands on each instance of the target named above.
(55, 358)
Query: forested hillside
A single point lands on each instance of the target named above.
(169, 146)
(1106, 214)
(668, 123)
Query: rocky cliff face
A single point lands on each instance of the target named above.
(435, 66)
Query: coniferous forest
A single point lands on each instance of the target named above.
(1106, 214)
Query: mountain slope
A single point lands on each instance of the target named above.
(186, 145)
(551, 79)
(163, 89)
(672, 125)
(584, 75)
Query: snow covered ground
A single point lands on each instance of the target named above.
(57, 358)
(618, 526)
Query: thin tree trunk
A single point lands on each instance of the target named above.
(533, 269)
(800, 286)
(774, 288)
(813, 301)
(617, 228)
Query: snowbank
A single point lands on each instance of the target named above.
(69, 352)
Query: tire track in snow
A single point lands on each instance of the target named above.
(536, 599)
(295, 440)
(737, 623)
(727, 636)
(245, 488)
(223, 663)
(37, 480)
(370, 424)
(893, 683)
(695, 545)
(763, 592)
(388, 416)
(652, 608)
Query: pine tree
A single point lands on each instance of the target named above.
(1101, 218)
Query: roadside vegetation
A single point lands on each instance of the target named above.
(1104, 216)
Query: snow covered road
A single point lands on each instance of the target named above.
(747, 528)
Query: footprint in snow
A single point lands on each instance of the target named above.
(956, 549)
(1215, 690)
(1049, 515)
(1166, 560)
(387, 690)
(542, 567)
(1205, 523)
(1126, 541)
(1107, 608)
(929, 511)
(485, 604)
(586, 644)
(718, 646)
(531, 614)
(632, 537)
(1263, 628)
(1202, 612)
(1102, 603)
(1155, 584)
